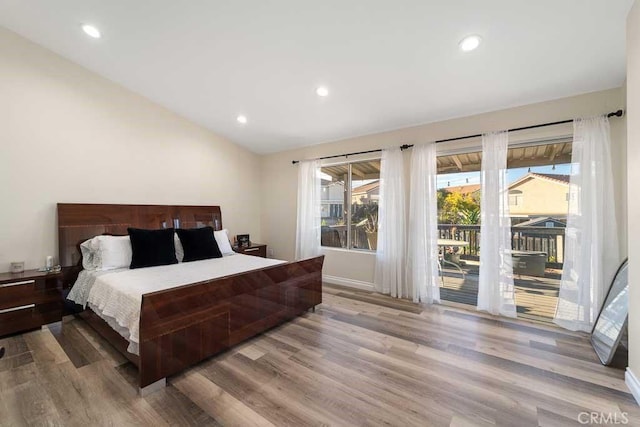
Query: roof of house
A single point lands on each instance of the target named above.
(472, 188)
(366, 188)
(555, 176)
(560, 179)
(463, 189)
(540, 220)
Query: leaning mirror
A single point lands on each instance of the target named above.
(612, 320)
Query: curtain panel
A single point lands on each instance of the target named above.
(591, 254)
(496, 292)
(422, 253)
(390, 268)
(309, 214)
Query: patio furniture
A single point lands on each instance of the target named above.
(529, 263)
(449, 243)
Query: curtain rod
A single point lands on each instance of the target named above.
(618, 113)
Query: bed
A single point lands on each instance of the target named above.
(225, 301)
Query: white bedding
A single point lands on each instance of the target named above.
(116, 295)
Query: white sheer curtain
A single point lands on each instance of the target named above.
(591, 238)
(309, 209)
(495, 288)
(422, 254)
(390, 256)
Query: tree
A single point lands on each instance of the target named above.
(365, 215)
(470, 216)
(442, 195)
(459, 209)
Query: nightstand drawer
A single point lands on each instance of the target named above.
(18, 318)
(29, 300)
(257, 251)
(18, 293)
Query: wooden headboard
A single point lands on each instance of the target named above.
(78, 222)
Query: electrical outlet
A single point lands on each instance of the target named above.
(270, 253)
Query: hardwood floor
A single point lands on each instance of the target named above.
(536, 297)
(360, 359)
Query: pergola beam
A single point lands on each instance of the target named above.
(457, 161)
(555, 150)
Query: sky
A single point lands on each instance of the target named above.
(471, 178)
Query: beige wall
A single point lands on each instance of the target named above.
(633, 159)
(279, 176)
(68, 135)
(541, 197)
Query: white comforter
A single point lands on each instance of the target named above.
(116, 295)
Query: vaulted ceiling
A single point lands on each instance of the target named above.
(387, 64)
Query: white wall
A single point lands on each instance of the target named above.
(68, 135)
(633, 160)
(279, 179)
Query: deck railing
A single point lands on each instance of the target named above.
(535, 239)
(336, 236)
(549, 240)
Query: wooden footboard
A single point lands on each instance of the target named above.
(182, 326)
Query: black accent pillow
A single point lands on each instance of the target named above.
(151, 248)
(198, 244)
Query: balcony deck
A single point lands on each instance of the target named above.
(536, 297)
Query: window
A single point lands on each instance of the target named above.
(335, 210)
(350, 195)
(515, 197)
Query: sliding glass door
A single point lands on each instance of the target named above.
(538, 203)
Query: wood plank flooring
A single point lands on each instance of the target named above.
(536, 297)
(360, 359)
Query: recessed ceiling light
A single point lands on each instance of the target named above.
(322, 91)
(470, 43)
(91, 31)
(242, 119)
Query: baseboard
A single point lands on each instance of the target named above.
(342, 281)
(632, 382)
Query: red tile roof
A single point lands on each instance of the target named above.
(463, 189)
(557, 177)
(365, 188)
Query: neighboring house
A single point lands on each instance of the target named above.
(333, 198)
(332, 201)
(545, 221)
(365, 194)
(537, 194)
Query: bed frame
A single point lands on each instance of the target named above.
(182, 326)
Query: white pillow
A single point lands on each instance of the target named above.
(88, 259)
(112, 252)
(179, 249)
(222, 238)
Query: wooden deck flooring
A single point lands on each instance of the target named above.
(360, 359)
(536, 297)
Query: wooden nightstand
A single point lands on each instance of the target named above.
(255, 249)
(29, 300)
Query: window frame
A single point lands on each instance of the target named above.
(346, 209)
(517, 196)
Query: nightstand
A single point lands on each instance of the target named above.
(255, 249)
(29, 300)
